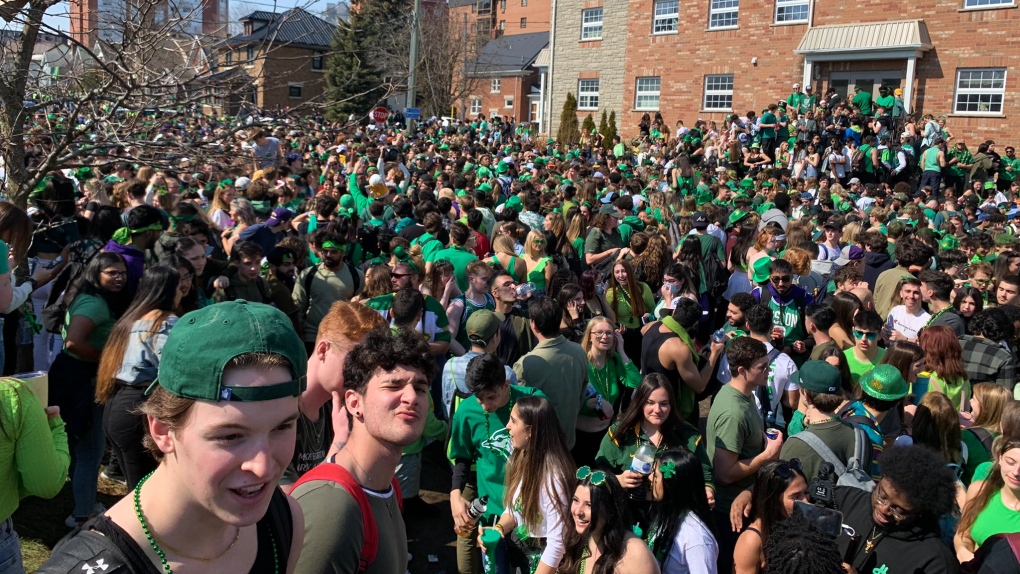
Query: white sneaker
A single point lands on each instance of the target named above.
(72, 522)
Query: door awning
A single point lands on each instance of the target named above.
(866, 40)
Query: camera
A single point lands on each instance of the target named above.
(822, 489)
(822, 509)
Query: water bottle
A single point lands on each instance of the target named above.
(642, 463)
(525, 289)
(719, 336)
(476, 510)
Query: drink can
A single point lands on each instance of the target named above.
(773, 434)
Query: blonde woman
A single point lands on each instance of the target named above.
(505, 257)
(219, 208)
(540, 267)
(243, 216)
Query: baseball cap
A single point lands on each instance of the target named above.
(481, 326)
(203, 342)
(853, 180)
(796, 85)
(609, 210)
(884, 382)
(850, 253)
(242, 183)
(280, 215)
(700, 220)
(833, 223)
(818, 377)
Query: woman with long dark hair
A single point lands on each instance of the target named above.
(94, 304)
(191, 298)
(576, 315)
(778, 486)
(129, 364)
(652, 417)
(680, 533)
(536, 488)
(846, 305)
(632, 303)
(601, 541)
(969, 301)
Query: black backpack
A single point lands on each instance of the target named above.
(857, 162)
(54, 313)
(716, 276)
(311, 277)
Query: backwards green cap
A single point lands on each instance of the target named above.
(203, 342)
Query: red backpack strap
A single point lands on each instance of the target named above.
(335, 473)
(399, 494)
(1014, 544)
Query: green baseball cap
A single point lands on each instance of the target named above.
(885, 383)
(481, 326)
(203, 342)
(818, 377)
(513, 202)
(761, 270)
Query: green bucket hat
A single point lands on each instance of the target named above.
(885, 383)
(747, 183)
(761, 270)
(818, 377)
(203, 342)
(736, 217)
(502, 168)
(513, 202)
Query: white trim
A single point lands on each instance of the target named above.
(705, 93)
(1004, 4)
(588, 94)
(592, 25)
(724, 10)
(793, 4)
(648, 93)
(980, 91)
(665, 17)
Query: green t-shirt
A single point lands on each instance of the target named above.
(599, 242)
(977, 455)
(429, 246)
(617, 450)
(459, 257)
(487, 444)
(886, 102)
(996, 518)
(95, 309)
(863, 101)
(768, 118)
(619, 150)
(734, 425)
(858, 368)
(619, 299)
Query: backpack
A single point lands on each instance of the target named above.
(333, 472)
(716, 276)
(984, 436)
(852, 473)
(993, 543)
(54, 312)
(857, 162)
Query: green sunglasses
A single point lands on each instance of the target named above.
(861, 334)
(598, 478)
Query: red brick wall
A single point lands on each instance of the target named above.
(986, 38)
(519, 88)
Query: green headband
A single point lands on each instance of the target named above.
(123, 235)
(330, 244)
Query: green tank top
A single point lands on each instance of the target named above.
(537, 275)
(509, 268)
(930, 160)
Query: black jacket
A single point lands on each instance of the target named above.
(874, 264)
(919, 550)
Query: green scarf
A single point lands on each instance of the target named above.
(687, 400)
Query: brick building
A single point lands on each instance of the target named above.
(106, 20)
(284, 54)
(954, 57)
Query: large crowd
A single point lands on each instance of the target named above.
(782, 343)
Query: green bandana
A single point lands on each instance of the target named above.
(123, 235)
(329, 244)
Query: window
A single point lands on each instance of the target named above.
(524, 3)
(502, 5)
(723, 13)
(789, 11)
(476, 106)
(588, 94)
(524, 22)
(229, 58)
(484, 6)
(317, 61)
(502, 24)
(647, 94)
(667, 14)
(508, 102)
(494, 86)
(250, 54)
(980, 91)
(718, 92)
(294, 91)
(986, 3)
(591, 24)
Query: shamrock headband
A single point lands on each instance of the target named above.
(668, 469)
(404, 257)
(596, 478)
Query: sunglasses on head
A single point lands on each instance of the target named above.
(785, 470)
(597, 477)
(862, 334)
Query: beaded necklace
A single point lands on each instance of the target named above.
(152, 537)
(488, 433)
(936, 316)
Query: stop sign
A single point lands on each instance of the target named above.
(380, 114)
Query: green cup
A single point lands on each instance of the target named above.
(490, 539)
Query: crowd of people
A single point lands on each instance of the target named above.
(782, 344)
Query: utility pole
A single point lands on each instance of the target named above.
(413, 60)
(464, 71)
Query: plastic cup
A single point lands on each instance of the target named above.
(39, 382)
(920, 386)
(490, 539)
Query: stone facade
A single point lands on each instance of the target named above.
(574, 59)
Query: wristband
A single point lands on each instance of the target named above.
(499, 527)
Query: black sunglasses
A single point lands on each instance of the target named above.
(785, 470)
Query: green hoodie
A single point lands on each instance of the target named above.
(629, 225)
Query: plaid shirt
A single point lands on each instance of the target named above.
(987, 362)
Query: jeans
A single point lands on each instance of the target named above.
(126, 429)
(10, 549)
(86, 456)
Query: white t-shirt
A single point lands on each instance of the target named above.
(694, 549)
(781, 373)
(908, 325)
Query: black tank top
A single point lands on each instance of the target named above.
(650, 345)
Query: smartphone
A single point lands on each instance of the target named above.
(827, 520)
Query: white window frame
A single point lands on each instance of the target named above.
(508, 101)
(652, 89)
(587, 98)
(722, 8)
(494, 86)
(666, 16)
(982, 91)
(715, 87)
(804, 4)
(591, 29)
(476, 106)
(987, 4)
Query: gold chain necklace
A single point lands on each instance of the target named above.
(183, 554)
(872, 540)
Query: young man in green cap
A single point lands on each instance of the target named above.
(386, 382)
(882, 390)
(220, 419)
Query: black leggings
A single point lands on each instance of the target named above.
(125, 430)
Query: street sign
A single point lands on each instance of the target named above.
(379, 114)
(412, 113)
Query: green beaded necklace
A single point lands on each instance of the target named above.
(152, 539)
